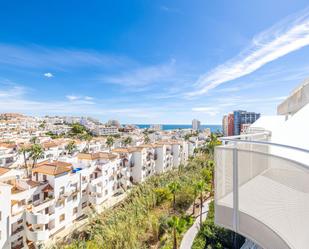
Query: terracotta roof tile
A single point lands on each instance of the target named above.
(52, 168)
(33, 184)
(120, 150)
(8, 145)
(3, 170)
(96, 156)
(48, 188)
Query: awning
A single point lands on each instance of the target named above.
(48, 188)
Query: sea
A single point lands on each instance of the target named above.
(213, 128)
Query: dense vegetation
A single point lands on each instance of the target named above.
(77, 131)
(211, 236)
(154, 215)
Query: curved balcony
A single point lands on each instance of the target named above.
(262, 192)
(37, 218)
(36, 235)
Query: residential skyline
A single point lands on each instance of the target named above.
(150, 62)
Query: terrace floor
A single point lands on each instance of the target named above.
(278, 198)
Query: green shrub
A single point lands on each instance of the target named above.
(162, 195)
(184, 198)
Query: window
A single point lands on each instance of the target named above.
(36, 176)
(74, 197)
(20, 221)
(75, 210)
(84, 204)
(61, 191)
(44, 178)
(36, 197)
(61, 217)
(74, 187)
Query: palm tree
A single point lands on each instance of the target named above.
(200, 187)
(174, 187)
(195, 192)
(109, 142)
(70, 147)
(177, 226)
(187, 137)
(146, 139)
(212, 144)
(208, 175)
(126, 141)
(34, 140)
(24, 150)
(36, 151)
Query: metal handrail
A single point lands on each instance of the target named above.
(245, 135)
(264, 143)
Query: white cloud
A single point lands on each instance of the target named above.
(285, 37)
(72, 97)
(80, 99)
(48, 75)
(35, 56)
(212, 111)
(169, 9)
(13, 92)
(144, 76)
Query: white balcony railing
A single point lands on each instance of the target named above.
(37, 235)
(37, 218)
(96, 200)
(262, 191)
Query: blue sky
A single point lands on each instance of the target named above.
(151, 61)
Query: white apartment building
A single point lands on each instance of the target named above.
(262, 178)
(156, 127)
(107, 175)
(143, 164)
(8, 154)
(34, 210)
(196, 125)
(101, 130)
(127, 163)
(225, 124)
(56, 195)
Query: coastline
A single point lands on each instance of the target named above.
(166, 127)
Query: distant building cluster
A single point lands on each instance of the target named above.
(235, 123)
(156, 127)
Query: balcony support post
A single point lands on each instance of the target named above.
(235, 189)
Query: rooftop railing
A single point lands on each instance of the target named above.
(262, 190)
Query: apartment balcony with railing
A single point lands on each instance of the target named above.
(96, 188)
(36, 233)
(262, 191)
(96, 199)
(37, 218)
